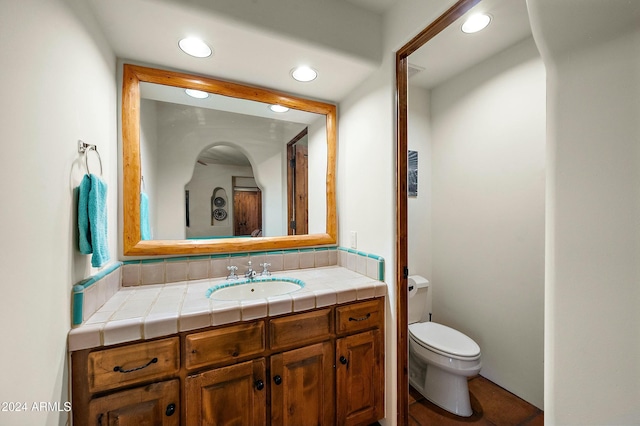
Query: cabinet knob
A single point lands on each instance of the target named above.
(277, 380)
(343, 360)
(171, 408)
(259, 384)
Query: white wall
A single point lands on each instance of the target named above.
(57, 86)
(149, 158)
(419, 207)
(206, 178)
(317, 175)
(592, 344)
(488, 183)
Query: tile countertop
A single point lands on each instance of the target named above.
(151, 311)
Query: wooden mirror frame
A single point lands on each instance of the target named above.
(131, 167)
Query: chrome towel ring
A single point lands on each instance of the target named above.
(84, 148)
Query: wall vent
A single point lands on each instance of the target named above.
(413, 70)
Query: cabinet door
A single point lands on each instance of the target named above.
(152, 405)
(359, 378)
(302, 386)
(233, 395)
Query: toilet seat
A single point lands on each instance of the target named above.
(444, 340)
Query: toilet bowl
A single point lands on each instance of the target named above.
(440, 358)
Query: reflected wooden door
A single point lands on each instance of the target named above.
(298, 184)
(247, 211)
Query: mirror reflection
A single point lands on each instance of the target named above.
(164, 134)
(222, 167)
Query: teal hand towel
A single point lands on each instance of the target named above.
(92, 220)
(145, 227)
(98, 221)
(84, 233)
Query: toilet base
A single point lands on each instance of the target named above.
(446, 390)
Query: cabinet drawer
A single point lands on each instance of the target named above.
(360, 316)
(155, 404)
(300, 329)
(117, 367)
(224, 344)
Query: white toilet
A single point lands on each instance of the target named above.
(440, 358)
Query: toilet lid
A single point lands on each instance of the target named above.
(444, 340)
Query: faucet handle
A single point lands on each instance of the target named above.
(265, 271)
(232, 275)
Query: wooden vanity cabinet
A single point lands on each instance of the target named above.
(359, 378)
(141, 379)
(320, 367)
(302, 386)
(360, 363)
(232, 395)
(154, 404)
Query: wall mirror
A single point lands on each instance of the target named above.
(223, 173)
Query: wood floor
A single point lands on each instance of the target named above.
(491, 404)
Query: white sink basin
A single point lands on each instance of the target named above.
(257, 288)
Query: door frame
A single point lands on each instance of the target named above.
(402, 256)
(291, 179)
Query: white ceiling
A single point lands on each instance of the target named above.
(378, 6)
(247, 47)
(453, 51)
(258, 42)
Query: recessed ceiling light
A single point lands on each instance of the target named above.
(278, 108)
(198, 94)
(476, 23)
(304, 73)
(195, 47)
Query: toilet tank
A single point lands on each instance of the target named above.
(418, 299)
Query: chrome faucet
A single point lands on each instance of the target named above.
(232, 275)
(265, 271)
(250, 272)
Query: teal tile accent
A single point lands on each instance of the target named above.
(177, 259)
(78, 291)
(380, 259)
(156, 260)
(88, 282)
(192, 258)
(275, 252)
(254, 280)
(306, 250)
(220, 256)
(78, 300)
(232, 255)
